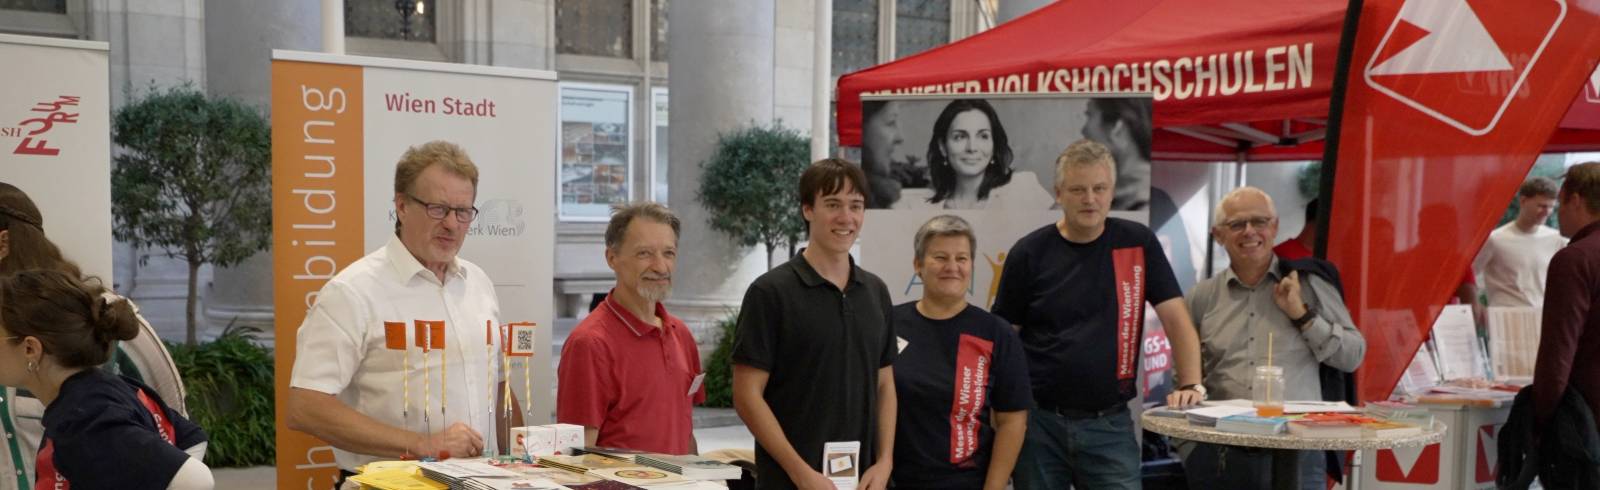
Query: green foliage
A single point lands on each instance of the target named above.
(750, 182)
(719, 368)
(230, 396)
(192, 179)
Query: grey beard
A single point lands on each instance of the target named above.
(654, 294)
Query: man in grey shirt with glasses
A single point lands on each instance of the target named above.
(1235, 311)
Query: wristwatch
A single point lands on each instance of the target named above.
(1311, 312)
(1195, 387)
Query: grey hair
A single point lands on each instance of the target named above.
(1217, 215)
(622, 215)
(1085, 153)
(941, 226)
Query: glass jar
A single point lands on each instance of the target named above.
(1266, 391)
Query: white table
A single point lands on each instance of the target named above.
(1283, 475)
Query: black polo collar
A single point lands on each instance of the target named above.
(810, 277)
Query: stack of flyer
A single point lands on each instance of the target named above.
(614, 469)
(1252, 424)
(1329, 426)
(1399, 412)
(459, 474)
(1389, 428)
(1325, 429)
(1208, 416)
(691, 467)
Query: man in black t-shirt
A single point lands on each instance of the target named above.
(1076, 291)
(813, 348)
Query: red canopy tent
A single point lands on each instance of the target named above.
(1233, 80)
(1242, 80)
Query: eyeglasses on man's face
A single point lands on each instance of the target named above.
(1238, 225)
(439, 211)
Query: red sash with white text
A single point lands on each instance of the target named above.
(973, 357)
(1129, 265)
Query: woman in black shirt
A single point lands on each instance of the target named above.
(961, 377)
(100, 430)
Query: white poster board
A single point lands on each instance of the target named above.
(1460, 353)
(55, 141)
(1514, 342)
(340, 125)
(902, 150)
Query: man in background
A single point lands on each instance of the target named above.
(1514, 260)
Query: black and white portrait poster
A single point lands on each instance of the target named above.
(991, 159)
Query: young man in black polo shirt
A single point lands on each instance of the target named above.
(1076, 290)
(814, 344)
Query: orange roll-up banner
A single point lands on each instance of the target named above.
(316, 224)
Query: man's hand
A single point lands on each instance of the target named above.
(1184, 398)
(876, 477)
(455, 441)
(813, 480)
(1287, 296)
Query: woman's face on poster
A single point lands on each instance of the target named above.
(969, 145)
(882, 138)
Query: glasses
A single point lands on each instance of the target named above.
(1238, 225)
(439, 211)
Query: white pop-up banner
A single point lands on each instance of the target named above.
(991, 159)
(55, 141)
(339, 125)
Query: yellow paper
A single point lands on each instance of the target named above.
(377, 466)
(397, 479)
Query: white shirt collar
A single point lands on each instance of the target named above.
(406, 265)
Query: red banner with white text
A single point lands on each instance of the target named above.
(1448, 101)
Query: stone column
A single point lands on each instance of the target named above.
(240, 37)
(154, 44)
(722, 79)
(1011, 9)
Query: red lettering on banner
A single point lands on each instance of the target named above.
(1129, 265)
(34, 143)
(972, 375)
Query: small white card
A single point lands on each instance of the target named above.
(903, 343)
(841, 463)
(695, 385)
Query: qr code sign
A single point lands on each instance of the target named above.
(522, 339)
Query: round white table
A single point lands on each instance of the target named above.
(1286, 477)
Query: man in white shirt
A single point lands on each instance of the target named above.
(1513, 261)
(353, 385)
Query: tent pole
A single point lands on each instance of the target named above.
(1330, 155)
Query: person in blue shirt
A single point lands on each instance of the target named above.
(100, 430)
(962, 378)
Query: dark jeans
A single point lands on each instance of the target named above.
(1232, 467)
(1097, 452)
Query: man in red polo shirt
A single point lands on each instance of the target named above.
(630, 372)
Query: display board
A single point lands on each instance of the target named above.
(340, 124)
(1009, 144)
(55, 141)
